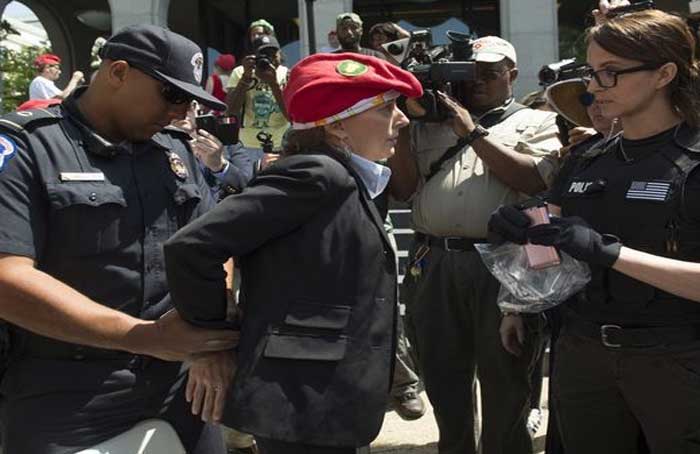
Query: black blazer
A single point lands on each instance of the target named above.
(318, 292)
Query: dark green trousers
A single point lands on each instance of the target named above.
(452, 307)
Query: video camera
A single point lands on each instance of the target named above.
(561, 70)
(436, 67)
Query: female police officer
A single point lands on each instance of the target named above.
(318, 273)
(629, 354)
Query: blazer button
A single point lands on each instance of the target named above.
(92, 197)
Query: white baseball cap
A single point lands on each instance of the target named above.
(492, 49)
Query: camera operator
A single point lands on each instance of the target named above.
(348, 27)
(503, 150)
(255, 94)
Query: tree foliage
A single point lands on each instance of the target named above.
(17, 68)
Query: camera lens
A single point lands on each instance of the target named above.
(395, 49)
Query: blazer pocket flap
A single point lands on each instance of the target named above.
(317, 348)
(310, 315)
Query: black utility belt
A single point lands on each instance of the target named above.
(449, 243)
(616, 336)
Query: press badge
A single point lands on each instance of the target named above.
(82, 176)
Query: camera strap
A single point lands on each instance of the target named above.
(487, 121)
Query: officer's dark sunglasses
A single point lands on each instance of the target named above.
(607, 78)
(171, 94)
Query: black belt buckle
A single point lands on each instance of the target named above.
(458, 248)
(605, 332)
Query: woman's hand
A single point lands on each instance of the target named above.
(210, 376)
(576, 136)
(512, 332)
(208, 149)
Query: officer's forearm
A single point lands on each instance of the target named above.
(515, 170)
(673, 276)
(34, 300)
(235, 98)
(404, 170)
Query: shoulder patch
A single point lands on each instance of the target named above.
(8, 148)
(19, 121)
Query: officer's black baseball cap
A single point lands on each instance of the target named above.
(164, 55)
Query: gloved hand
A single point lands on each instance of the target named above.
(510, 224)
(575, 237)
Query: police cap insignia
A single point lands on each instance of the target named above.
(177, 165)
(351, 68)
(7, 150)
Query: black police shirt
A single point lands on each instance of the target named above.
(94, 214)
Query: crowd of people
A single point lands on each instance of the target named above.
(171, 275)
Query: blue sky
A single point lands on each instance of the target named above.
(17, 10)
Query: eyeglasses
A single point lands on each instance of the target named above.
(607, 78)
(170, 93)
(174, 95)
(490, 75)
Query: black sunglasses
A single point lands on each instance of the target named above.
(607, 78)
(171, 94)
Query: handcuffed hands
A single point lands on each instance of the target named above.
(209, 378)
(575, 237)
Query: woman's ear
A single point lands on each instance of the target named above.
(667, 73)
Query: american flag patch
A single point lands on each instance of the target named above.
(649, 190)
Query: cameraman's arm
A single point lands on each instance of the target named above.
(516, 170)
(277, 93)
(241, 81)
(404, 169)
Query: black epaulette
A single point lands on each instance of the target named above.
(28, 120)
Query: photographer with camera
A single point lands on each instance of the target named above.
(255, 94)
(498, 151)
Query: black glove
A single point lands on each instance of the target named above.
(573, 236)
(510, 224)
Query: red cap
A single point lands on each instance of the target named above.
(324, 88)
(46, 59)
(37, 104)
(226, 62)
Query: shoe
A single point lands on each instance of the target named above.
(409, 405)
(534, 420)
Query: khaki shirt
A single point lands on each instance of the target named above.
(460, 198)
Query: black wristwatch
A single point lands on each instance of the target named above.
(477, 133)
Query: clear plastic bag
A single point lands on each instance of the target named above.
(524, 289)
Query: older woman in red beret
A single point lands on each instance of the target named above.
(318, 292)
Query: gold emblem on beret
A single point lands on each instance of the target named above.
(351, 68)
(177, 165)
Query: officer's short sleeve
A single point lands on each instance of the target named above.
(23, 216)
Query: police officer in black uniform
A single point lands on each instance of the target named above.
(628, 358)
(90, 191)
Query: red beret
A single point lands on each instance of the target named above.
(37, 104)
(46, 59)
(225, 62)
(324, 88)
